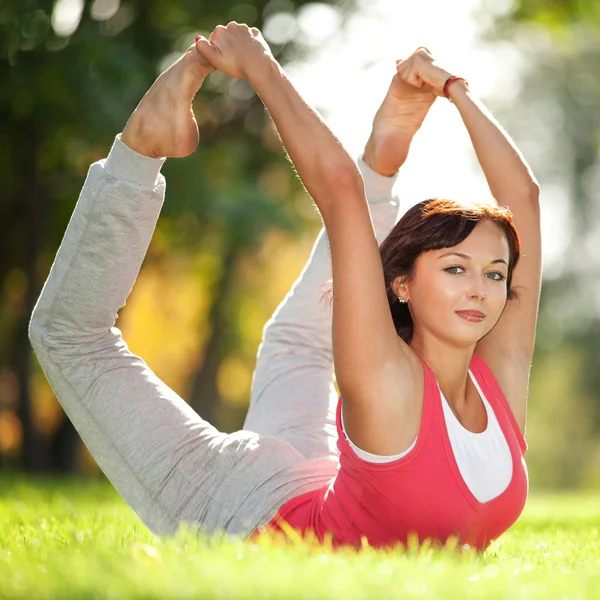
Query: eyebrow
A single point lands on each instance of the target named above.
(466, 256)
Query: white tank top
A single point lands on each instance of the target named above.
(483, 459)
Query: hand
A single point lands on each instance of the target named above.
(420, 70)
(237, 50)
(163, 124)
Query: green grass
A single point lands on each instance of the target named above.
(74, 539)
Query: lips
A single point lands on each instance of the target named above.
(471, 315)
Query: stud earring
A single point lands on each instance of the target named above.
(401, 299)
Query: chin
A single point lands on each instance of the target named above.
(465, 339)
(466, 343)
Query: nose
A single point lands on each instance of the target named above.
(478, 287)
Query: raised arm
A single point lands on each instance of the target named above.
(508, 348)
(323, 164)
(367, 352)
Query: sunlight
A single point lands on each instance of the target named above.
(66, 17)
(347, 76)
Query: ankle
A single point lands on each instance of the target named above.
(135, 136)
(386, 154)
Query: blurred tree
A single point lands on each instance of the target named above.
(72, 72)
(557, 123)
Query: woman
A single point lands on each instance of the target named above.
(402, 465)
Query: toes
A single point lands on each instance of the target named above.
(198, 59)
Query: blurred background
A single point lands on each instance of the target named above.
(237, 226)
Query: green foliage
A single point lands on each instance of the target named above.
(71, 539)
(555, 15)
(67, 90)
(556, 122)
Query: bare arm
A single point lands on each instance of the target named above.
(508, 175)
(367, 353)
(323, 164)
(325, 167)
(369, 357)
(508, 348)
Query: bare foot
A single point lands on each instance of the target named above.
(398, 119)
(163, 124)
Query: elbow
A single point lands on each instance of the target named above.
(345, 178)
(534, 191)
(526, 194)
(532, 186)
(533, 199)
(334, 185)
(342, 181)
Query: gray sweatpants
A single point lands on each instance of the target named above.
(166, 462)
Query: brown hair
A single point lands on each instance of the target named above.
(432, 225)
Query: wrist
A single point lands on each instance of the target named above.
(386, 154)
(457, 89)
(437, 80)
(260, 72)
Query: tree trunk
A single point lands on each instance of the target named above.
(34, 457)
(63, 448)
(204, 397)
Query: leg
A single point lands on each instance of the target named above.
(293, 394)
(167, 463)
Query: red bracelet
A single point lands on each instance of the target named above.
(451, 80)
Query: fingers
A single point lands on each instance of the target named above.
(412, 77)
(216, 34)
(208, 50)
(422, 48)
(419, 51)
(222, 34)
(218, 31)
(411, 69)
(408, 73)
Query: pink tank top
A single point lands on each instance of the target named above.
(420, 494)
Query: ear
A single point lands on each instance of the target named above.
(399, 286)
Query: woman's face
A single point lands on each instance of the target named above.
(471, 276)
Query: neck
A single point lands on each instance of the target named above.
(449, 364)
